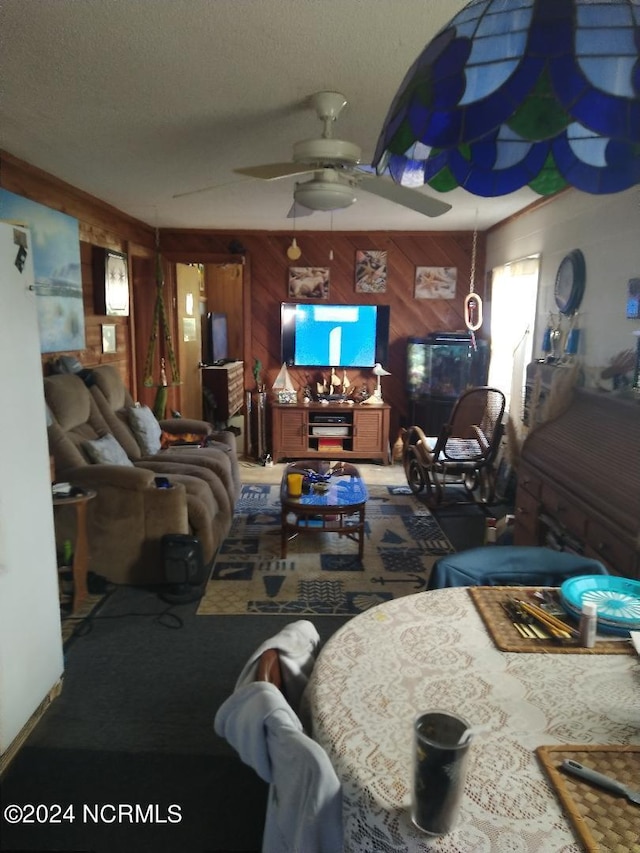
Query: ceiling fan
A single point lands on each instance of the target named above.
(337, 176)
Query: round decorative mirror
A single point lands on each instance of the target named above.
(570, 281)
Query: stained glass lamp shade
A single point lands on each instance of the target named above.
(514, 93)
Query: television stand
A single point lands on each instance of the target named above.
(330, 431)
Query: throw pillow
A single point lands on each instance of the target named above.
(106, 450)
(146, 429)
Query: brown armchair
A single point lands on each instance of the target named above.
(130, 514)
(115, 403)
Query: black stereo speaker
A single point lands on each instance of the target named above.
(182, 558)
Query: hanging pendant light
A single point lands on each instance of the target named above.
(294, 251)
(538, 93)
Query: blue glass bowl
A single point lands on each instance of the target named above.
(617, 600)
(316, 476)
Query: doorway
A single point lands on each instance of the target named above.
(211, 295)
(189, 292)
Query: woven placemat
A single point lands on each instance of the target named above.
(603, 821)
(489, 600)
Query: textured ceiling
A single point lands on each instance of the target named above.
(136, 101)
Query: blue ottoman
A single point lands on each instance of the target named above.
(510, 565)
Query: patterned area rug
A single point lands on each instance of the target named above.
(322, 574)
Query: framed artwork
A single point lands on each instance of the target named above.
(308, 282)
(435, 283)
(189, 330)
(55, 242)
(109, 338)
(371, 271)
(633, 299)
(110, 282)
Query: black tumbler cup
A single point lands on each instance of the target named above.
(439, 771)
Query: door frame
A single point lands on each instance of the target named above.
(194, 256)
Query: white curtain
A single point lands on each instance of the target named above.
(514, 291)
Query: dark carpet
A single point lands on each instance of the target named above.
(134, 727)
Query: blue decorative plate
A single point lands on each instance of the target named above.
(617, 599)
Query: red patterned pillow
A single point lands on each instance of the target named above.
(170, 439)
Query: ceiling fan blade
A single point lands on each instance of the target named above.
(404, 196)
(203, 189)
(272, 171)
(297, 210)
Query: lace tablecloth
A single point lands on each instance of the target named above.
(432, 651)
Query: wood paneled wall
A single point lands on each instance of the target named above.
(265, 281)
(99, 225)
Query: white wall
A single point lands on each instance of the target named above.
(607, 230)
(31, 660)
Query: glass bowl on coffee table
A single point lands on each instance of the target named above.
(332, 499)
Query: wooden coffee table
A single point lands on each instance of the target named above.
(338, 509)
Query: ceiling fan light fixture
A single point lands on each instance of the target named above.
(321, 194)
(327, 151)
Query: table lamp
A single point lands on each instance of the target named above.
(378, 371)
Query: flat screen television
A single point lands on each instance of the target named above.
(322, 335)
(216, 347)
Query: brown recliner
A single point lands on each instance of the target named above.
(114, 402)
(129, 515)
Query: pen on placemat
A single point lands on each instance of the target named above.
(558, 628)
(555, 626)
(527, 629)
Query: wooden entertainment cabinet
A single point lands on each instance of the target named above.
(347, 432)
(579, 482)
(226, 384)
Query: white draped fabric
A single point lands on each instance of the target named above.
(432, 651)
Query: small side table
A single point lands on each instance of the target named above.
(81, 545)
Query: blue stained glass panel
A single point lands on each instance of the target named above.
(504, 22)
(611, 75)
(612, 43)
(588, 148)
(471, 12)
(564, 67)
(510, 149)
(485, 79)
(497, 48)
(603, 15)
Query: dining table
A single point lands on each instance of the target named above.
(433, 651)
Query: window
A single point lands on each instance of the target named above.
(514, 291)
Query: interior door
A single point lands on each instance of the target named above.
(189, 281)
(224, 289)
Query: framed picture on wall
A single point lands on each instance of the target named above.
(110, 282)
(55, 243)
(435, 282)
(109, 340)
(308, 282)
(371, 271)
(633, 299)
